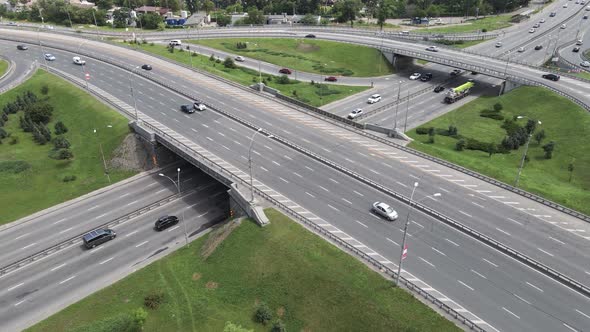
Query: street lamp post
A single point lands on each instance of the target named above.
(526, 149)
(104, 162)
(82, 66)
(250, 163)
(401, 254)
(399, 88)
(133, 95)
(407, 111)
(177, 185)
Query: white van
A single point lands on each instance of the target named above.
(78, 61)
(588, 8)
(175, 42)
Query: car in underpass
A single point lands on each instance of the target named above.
(384, 211)
(164, 222)
(355, 113)
(426, 77)
(576, 50)
(520, 49)
(532, 30)
(187, 109)
(415, 76)
(499, 44)
(49, 57)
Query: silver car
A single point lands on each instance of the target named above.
(384, 211)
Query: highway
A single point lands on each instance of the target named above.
(37, 290)
(372, 160)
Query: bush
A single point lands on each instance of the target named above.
(212, 57)
(278, 326)
(492, 114)
(229, 63)
(45, 89)
(68, 178)
(13, 140)
(422, 131)
(484, 30)
(40, 112)
(460, 145)
(60, 128)
(14, 166)
(283, 79)
(473, 144)
(153, 300)
(263, 313)
(61, 143)
(61, 154)
(3, 133)
(120, 322)
(498, 107)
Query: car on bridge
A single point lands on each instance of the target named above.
(499, 44)
(432, 48)
(22, 47)
(542, 20)
(384, 211)
(576, 49)
(374, 98)
(77, 60)
(146, 67)
(532, 30)
(165, 221)
(579, 42)
(310, 36)
(331, 79)
(355, 113)
(565, 5)
(585, 17)
(536, 25)
(563, 26)
(538, 47)
(520, 49)
(551, 76)
(552, 14)
(187, 109)
(415, 76)
(439, 88)
(285, 71)
(49, 57)
(585, 64)
(199, 106)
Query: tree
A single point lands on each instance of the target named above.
(150, 21)
(60, 128)
(255, 16)
(223, 20)
(38, 136)
(231, 327)
(104, 4)
(570, 168)
(539, 136)
(548, 148)
(309, 19)
(460, 145)
(263, 313)
(208, 6)
(45, 132)
(139, 316)
(530, 126)
(61, 154)
(40, 112)
(61, 143)
(491, 149)
(278, 326)
(498, 107)
(385, 10)
(120, 17)
(229, 63)
(347, 10)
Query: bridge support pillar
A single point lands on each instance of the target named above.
(507, 86)
(240, 205)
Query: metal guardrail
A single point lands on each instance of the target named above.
(75, 239)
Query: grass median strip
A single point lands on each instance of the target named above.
(3, 67)
(489, 23)
(304, 281)
(312, 94)
(31, 181)
(564, 178)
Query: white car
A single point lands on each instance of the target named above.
(374, 98)
(542, 20)
(536, 25)
(78, 61)
(565, 5)
(520, 49)
(579, 42)
(432, 48)
(532, 30)
(585, 64)
(199, 106)
(240, 58)
(356, 113)
(49, 57)
(499, 44)
(415, 76)
(563, 26)
(384, 211)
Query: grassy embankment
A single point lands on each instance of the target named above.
(308, 283)
(315, 95)
(3, 67)
(489, 23)
(42, 185)
(563, 121)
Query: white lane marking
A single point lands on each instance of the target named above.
(141, 244)
(228, 149)
(581, 313)
(324, 189)
(456, 245)
(200, 215)
(62, 219)
(390, 240)
(333, 180)
(497, 196)
(401, 184)
(440, 252)
(569, 327)
(550, 254)
(490, 262)
(193, 129)
(17, 303)
(70, 278)
(274, 162)
(58, 267)
(18, 237)
(299, 175)
(467, 214)
(356, 192)
(414, 176)
(30, 245)
(309, 168)
(15, 286)
(514, 221)
(287, 157)
(310, 194)
(65, 230)
(209, 138)
(443, 189)
(268, 147)
(556, 240)
(417, 224)
(464, 284)
(374, 171)
(481, 206)
(362, 224)
(479, 274)
(511, 203)
(173, 228)
(92, 208)
(283, 180)
(107, 260)
(128, 235)
(131, 203)
(347, 201)
(333, 208)
(503, 231)
(523, 300)
(264, 169)
(220, 133)
(535, 287)
(510, 312)
(427, 262)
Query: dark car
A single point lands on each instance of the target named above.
(426, 77)
(285, 71)
(455, 72)
(538, 47)
(439, 88)
(165, 222)
(187, 109)
(330, 79)
(22, 47)
(146, 67)
(310, 36)
(553, 77)
(97, 237)
(474, 73)
(576, 49)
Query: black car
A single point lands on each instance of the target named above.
(97, 237)
(187, 109)
(165, 222)
(22, 47)
(426, 77)
(576, 49)
(310, 36)
(439, 88)
(474, 73)
(553, 77)
(146, 67)
(538, 47)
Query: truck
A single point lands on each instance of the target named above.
(459, 92)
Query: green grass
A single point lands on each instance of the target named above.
(582, 74)
(309, 55)
(563, 121)
(3, 67)
(311, 94)
(319, 287)
(41, 186)
(489, 23)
